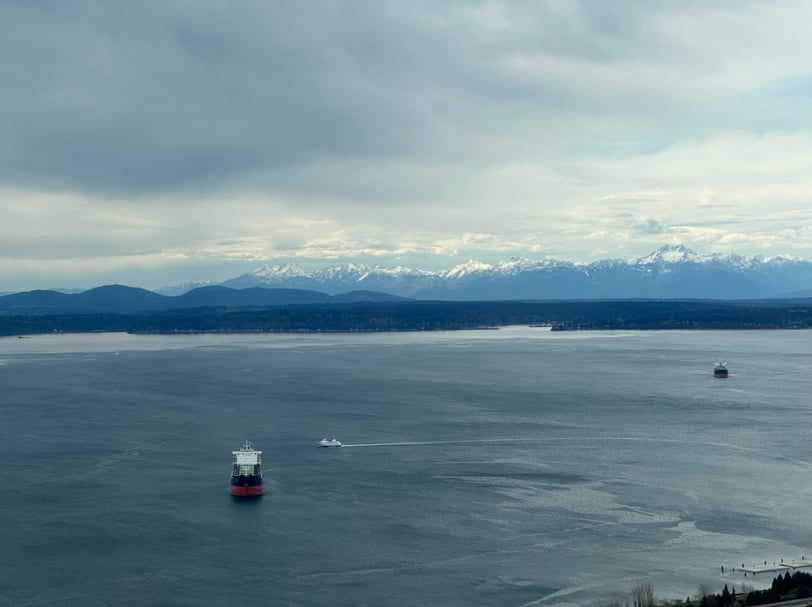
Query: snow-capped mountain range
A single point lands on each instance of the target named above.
(672, 271)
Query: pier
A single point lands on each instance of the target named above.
(773, 567)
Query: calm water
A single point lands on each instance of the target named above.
(512, 467)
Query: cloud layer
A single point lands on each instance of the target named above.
(150, 143)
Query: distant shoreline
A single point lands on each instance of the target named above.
(412, 316)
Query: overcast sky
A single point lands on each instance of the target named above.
(155, 143)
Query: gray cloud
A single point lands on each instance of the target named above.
(650, 225)
(132, 97)
(387, 123)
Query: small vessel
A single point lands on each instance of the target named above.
(329, 443)
(246, 472)
(720, 370)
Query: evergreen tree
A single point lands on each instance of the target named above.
(726, 598)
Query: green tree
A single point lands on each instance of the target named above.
(726, 598)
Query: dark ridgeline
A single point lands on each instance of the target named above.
(120, 299)
(220, 309)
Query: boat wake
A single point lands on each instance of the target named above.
(446, 442)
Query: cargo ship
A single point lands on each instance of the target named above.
(720, 370)
(246, 472)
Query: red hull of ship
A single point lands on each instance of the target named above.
(254, 491)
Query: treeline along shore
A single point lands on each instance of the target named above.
(791, 589)
(431, 316)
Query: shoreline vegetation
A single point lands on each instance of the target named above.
(790, 587)
(580, 315)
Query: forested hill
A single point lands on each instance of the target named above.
(432, 316)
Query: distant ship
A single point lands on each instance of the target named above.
(246, 472)
(329, 443)
(720, 370)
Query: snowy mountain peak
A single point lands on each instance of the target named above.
(351, 271)
(466, 269)
(668, 254)
(398, 272)
(514, 265)
(281, 272)
(670, 271)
